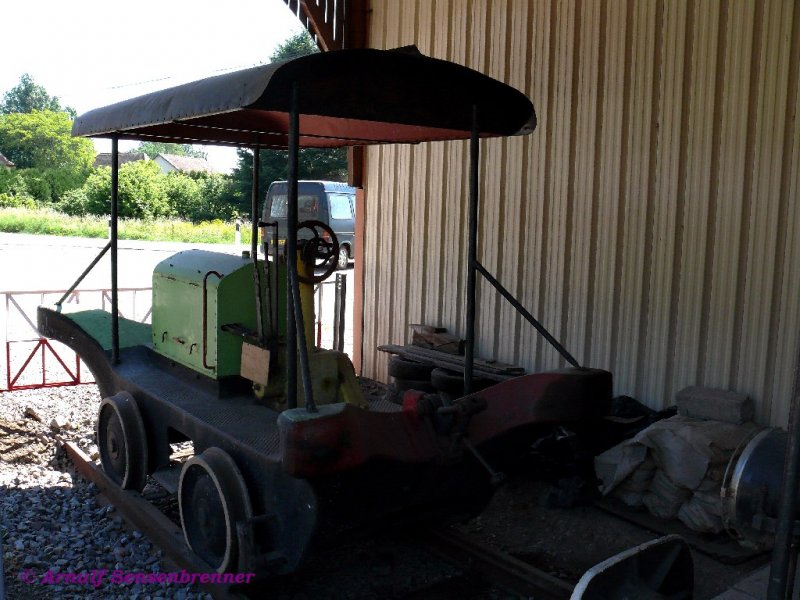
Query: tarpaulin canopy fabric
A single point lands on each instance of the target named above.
(345, 98)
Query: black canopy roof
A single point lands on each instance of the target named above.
(347, 97)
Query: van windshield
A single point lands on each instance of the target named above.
(306, 205)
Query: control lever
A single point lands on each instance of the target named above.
(463, 410)
(497, 478)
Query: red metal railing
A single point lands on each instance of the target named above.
(21, 332)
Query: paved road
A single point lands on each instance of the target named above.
(40, 262)
(45, 262)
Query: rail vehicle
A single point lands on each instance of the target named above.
(289, 454)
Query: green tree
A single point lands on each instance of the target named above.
(43, 139)
(75, 203)
(142, 192)
(300, 44)
(314, 163)
(219, 198)
(153, 149)
(27, 97)
(200, 196)
(183, 194)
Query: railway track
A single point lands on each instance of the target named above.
(476, 568)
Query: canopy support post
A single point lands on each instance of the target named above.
(472, 249)
(291, 251)
(295, 334)
(114, 219)
(254, 243)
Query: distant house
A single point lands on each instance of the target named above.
(172, 162)
(4, 162)
(103, 159)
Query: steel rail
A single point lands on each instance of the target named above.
(145, 517)
(505, 571)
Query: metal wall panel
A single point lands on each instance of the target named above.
(651, 220)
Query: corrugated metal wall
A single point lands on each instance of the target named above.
(651, 221)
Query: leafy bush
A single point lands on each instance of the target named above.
(8, 178)
(183, 195)
(199, 197)
(13, 201)
(62, 180)
(219, 198)
(44, 185)
(14, 190)
(36, 185)
(142, 192)
(73, 203)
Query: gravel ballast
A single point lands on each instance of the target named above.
(52, 524)
(58, 541)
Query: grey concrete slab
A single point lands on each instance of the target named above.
(734, 594)
(755, 584)
(752, 587)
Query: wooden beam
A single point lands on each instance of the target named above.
(335, 24)
(355, 24)
(320, 26)
(358, 285)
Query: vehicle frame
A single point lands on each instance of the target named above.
(292, 479)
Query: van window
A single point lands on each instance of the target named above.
(340, 206)
(306, 205)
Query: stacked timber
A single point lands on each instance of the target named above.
(482, 368)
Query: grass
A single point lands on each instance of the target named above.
(50, 222)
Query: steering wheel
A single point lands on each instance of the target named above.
(317, 251)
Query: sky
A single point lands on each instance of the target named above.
(92, 53)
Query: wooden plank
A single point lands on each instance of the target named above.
(483, 368)
(436, 338)
(255, 364)
(483, 363)
(445, 361)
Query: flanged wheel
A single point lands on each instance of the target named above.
(212, 498)
(122, 441)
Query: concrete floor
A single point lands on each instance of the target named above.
(752, 587)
